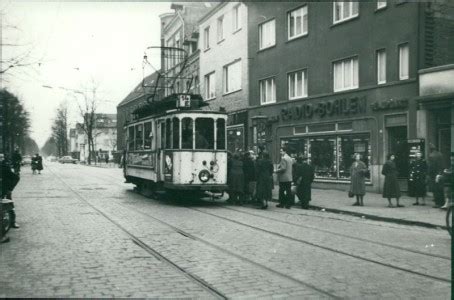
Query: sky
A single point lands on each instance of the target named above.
(73, 44)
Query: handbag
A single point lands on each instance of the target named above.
(350, 194)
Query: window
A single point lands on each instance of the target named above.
(344, 11)
(381, 4)
(346, 74)
(267, 34)
(163, 132)
(204, 133)
(297, 84)
(220, 134)
(350, 145)
(267, 91)
(176, 133)
(168, 134)
(323, 156)
(220, 28)
(210, 86)
(403, 61)
(232, 77)
(297, 22)
(147, 135)
(206, 38)
(236, 18)
(139, 137)
(381, 66)
(186, 133)
(131, 138)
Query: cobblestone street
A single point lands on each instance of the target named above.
(85, 233)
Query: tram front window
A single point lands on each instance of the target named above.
(147, 142)
(139, 137)
(186, 133)
(204, 133)
(220, 134)
(131, 138)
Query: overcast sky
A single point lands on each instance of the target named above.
(74, 42)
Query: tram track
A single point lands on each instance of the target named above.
(181, 231)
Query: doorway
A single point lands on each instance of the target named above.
(397, 144)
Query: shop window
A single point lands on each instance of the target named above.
(398, 145)
(204, 133)
(131, 138)
(235, 139)
(295, 146)
(323, 157)
(322, 127)
(168, 134)
(186, 133)
(139, 137)
(176, 133)
(220, 134)
(147, 136)
(348, 146)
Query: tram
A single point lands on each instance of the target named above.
(175, 146)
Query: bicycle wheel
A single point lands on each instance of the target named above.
(5, 221)
(449, 220)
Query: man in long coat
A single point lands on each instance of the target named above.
(435, 168)
(304, 176)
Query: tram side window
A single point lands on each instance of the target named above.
(131, 138)
(163, 132)
(204, 133)
(220, 134)
(176, 133)
(168, 134)
(139, 137)
(186, 133)
(147, 134)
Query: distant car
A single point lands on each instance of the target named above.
(67, 160)
(52, 158)
(26, 160)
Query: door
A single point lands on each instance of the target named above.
(397, 144)
(444, 140)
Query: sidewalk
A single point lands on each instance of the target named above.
(375, 208)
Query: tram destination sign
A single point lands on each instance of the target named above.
(184, 101)
(331, 108)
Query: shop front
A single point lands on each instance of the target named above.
(330, 130)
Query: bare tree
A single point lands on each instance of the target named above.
(60, 129)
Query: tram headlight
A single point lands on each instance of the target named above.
(204, 176)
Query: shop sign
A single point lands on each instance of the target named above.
(389, 104)
(331, 108)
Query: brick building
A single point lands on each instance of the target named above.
(331, 79)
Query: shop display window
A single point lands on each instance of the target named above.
(323, 157)
(349, 145)
(295, 146)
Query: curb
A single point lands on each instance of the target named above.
(375, 218)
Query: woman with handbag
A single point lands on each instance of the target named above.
(391, 187)
(358, 172)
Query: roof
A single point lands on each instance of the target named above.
(138, 91)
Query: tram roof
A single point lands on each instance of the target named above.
(168, 103)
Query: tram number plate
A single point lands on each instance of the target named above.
(184, 101)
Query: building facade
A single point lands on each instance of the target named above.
(330, 79)
(224, 66)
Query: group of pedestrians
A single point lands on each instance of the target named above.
(37, 163)
(422, 175)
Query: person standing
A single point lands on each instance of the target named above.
(39, 161)
(284, 173)
(236, 180)
(358, 172)
(304, 176)
(434, 169)
(391, 187)
(264, 179)
(417, 179)
(249, 177)
(9, 182)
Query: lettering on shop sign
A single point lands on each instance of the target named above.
(338, 107)
(389, 104)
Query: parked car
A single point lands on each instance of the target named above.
(26, 160)
(52, 158)
(67, 160)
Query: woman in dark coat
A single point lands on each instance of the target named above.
(417, 179)
(40, 163)
(358, 172)
(391, 187)
(304, 176)
(236, 180)
(264, 179)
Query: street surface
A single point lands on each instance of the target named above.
(85, 233)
